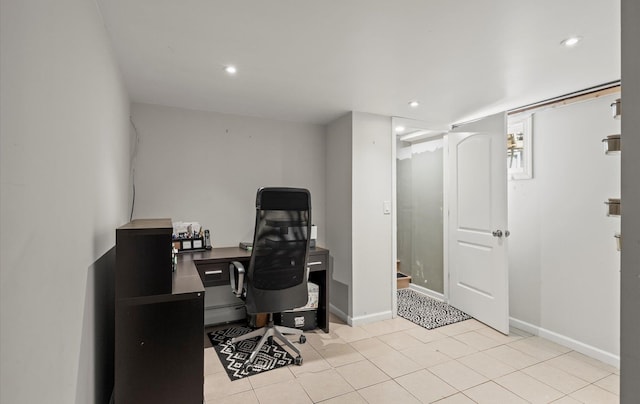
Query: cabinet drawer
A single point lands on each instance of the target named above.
(317, 262)
(213, 273)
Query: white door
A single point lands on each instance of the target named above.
(477, 258)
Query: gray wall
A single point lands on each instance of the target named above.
(564, 269)
(206, 167)
(630, 279)
(420, 192)
(339, 202)
(64, 178)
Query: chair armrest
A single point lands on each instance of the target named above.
(236, 278)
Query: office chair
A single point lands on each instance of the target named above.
(276, 279)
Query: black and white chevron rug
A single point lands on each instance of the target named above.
(426, 311)
(270, 356)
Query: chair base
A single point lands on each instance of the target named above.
(269, 331)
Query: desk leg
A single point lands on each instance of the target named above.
(320, 279)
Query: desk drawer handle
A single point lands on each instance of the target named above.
(219, 271)
(314, 263)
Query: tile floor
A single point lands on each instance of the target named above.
(396, 361)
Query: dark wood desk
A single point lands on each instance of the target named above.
(213, 267)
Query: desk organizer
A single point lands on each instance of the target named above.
(188, 244)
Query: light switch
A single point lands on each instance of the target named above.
(386, 207)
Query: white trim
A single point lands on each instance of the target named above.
(445, 218)
(394, 222)
(428, 292)
(596, 353)
(369, 318)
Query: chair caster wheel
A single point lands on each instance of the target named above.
(232, 347)
(247, 367)
(270, 340)
(302, 339)
(298, 360)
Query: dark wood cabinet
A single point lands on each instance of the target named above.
(159, 348)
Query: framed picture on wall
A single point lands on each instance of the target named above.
(519, 148)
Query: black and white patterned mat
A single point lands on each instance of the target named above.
(270, 356)
(426, 311)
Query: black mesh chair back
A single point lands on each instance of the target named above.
(277, 273)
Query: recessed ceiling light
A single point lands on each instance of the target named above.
(414, 104)
(570, 42)
(400, 129)
(230, 69)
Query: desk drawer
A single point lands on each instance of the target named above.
(317, 262)
(213, 273)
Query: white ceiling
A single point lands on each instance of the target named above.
(312, 61)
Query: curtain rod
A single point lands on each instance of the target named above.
(604, 89)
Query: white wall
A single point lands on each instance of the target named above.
(359, 160)
(630, 282)
(563, 264)
(206, 167)
(339, 205)
(371, 186)
(64, 181)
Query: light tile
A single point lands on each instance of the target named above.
(290, 392)
(388, 326)
(426, 355)
(350, 398)
(312, 361)
(218, 385)
(323, 340)
(593, 362)
(486, 365)
(567, 400)
(498, 336)
(610, 383)
(491, 393)
(400, 340)
(362, 374)
(452, 347)
(340, 354)
(539, 348)
(477, 340)
(511, 357)
(456, 399)
(387, 392)
(529, 388)
(324, 385)
(425, 386)
(372, 347)
(458, 375)
(350, 334)
(246, 397)
(457, 328)
(395, 364)
(578, 367)
(425, 335)
(212, 363)
(593, 394)
(272, 376)
(556, 378)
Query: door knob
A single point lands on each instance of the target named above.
(507, 233)
(497, 233)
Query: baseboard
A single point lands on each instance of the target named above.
(596, 353)
(428, 292)
(369, 318)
